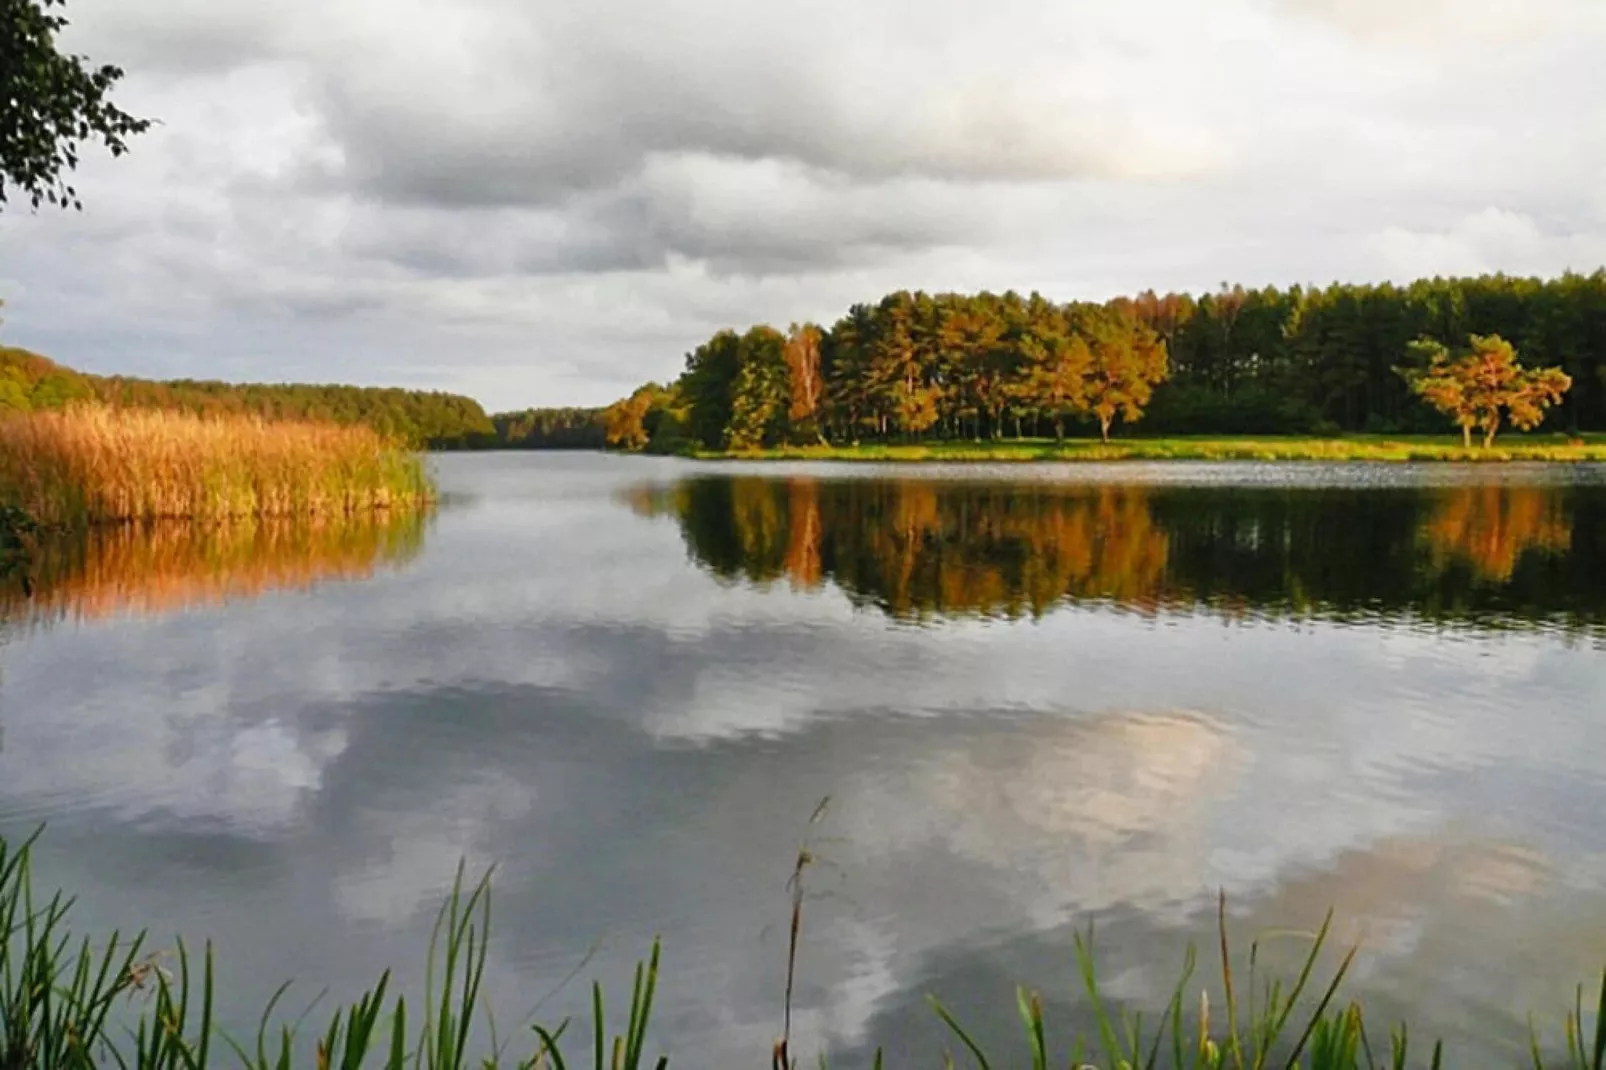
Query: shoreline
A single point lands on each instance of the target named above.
(1382, 449)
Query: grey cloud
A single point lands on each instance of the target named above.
(1445, 25)
(762, 217)
(550, 202)
(494, 102)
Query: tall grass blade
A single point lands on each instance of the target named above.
(1084, 959)
(964, 1037)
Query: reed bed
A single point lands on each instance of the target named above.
(93, 464)
(69, 1002)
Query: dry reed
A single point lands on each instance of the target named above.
(93, 464)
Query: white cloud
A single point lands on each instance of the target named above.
(1488, 241)
(550, 202)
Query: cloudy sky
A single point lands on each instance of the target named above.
(543, 202)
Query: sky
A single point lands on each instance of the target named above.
(541, 203)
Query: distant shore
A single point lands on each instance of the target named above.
(1390, 448)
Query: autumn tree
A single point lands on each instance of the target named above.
(1484, 385)
(50, 103)
(1236, 360)
(625, 421)
(1058, 363)
(805, 379)
(1127, 360)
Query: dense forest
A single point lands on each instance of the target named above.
(985, 366)
(1493, 555)
(1235, 361)
(31, 383)
(550, 429)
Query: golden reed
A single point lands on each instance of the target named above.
(94, 464)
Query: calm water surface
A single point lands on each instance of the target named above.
(1038, 699)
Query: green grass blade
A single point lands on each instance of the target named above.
(1084, 959)
(1321, 1007)
(550, 1047)
(1234, 1045)
(964, 1037)
(598, 1029)
(1031, 1015)
(1599, 1055)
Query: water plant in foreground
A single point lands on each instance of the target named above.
(93, 464)
(71, 1003)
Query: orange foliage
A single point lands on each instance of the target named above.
(803, 546)
(1491, 527)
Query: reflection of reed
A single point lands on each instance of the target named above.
(139, 570)
(1490, 528)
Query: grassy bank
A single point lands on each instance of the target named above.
(91, 464)
(72, 1002)
(1245, 448)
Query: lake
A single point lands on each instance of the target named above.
(1038, 698)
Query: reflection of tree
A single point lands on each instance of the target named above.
(1490, 528)
(154, 569)
(925, 548)
(962, 548)
(918, 548)
(805, 532)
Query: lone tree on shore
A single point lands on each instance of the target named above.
(1481, 386)
(50, 103)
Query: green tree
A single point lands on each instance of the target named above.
(761, 392)
(1480, 386)
(50, 103)
(706, 385)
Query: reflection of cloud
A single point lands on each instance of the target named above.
(1462, 933)
(422, 850)
(637, 746)
(1381, 893)
(1076, 814)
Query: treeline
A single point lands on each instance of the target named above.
(549, 429)
(433, 419)
(1236, 361)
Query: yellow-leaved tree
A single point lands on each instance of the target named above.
(1484, 385)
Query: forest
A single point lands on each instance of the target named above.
(428, 419)
(32, 383)
(550, 429)
(1302, 360)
